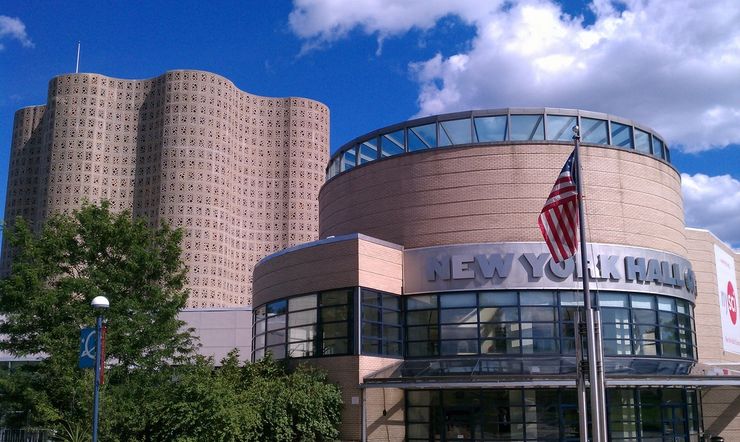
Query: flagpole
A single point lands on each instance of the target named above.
(595, 362)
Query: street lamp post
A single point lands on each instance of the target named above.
(100, 303)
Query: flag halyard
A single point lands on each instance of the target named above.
(558, 219)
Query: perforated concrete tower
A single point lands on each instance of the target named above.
(238, 172)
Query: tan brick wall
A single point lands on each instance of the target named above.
(495, 193)
(329, 265)
(239, 172)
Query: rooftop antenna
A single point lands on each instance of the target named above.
(77, 66)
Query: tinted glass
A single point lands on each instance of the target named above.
(560, 127)
(422, 137)
(392, 144)
(454, 132)
(594, 131)
(490, 128)
(527, 127)
(621, 135)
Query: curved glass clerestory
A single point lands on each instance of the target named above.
(498, 126)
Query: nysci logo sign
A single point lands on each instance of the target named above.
(529, 265)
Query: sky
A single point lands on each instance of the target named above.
(671, 65)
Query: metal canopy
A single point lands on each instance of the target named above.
(548, 372)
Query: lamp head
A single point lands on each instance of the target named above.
(100, 302)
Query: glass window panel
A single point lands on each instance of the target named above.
(498, 298)
(339, 313)
(370, 330)
(422, 137)
(466, 347)
(457, 300)
(527, 127)
(349, 159)
(621, 135)
(666, 304)
(302, 302)
(537, 298)
(613, 300)
(277, 308)
(417, 414)
(259, 341)
(259, 354)
(658, 148)
(371, 346)
(571, 299)
(300, 349)
(422, 317)
(276, 322)
(335, 297)
(370, 313)
(494, 330)
(336, 330)
(560, 127)
(454, 132)
(459, 331)
(418, 431)
(302, 318)
(530, 346)
(458, 315)
(421, 302)
(259, 327)
(642, 141)
(615, 315)
(594, 131)
(643, 301)
(392, 144)
(428, 348)
(391, 333)
(419, 397)
(275, 337)
(499, 314)
(647, 348)
(644, 317)
(278, 351)
(537, 330)
(391, 302)
(305, 333)
(533, 314)
(490, 128)
(370, 297)
(668, 319)
(669, 334)
(334, 166)
(368, 151)
(392, 348)
(391, 317)
(422, 333)
(621, 331)
(260, 313)
(335, 346)
(682, 306)
(617, 347)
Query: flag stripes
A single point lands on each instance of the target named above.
(558, 219)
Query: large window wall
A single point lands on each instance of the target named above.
(497, 126)
(323, 324)
(635, 415)
(316, 324)
(542, 322)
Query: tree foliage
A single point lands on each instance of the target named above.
(155, 388)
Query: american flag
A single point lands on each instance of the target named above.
(559, 217)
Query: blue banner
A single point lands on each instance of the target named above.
(88, 345)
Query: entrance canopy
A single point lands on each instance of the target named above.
(546, 372)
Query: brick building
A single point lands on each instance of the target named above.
(433, 301)
(239, 172)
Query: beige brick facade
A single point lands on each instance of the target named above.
(239, 172)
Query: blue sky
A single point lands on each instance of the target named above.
(673, 66)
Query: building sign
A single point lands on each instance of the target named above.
(727, 290)
(529, 265)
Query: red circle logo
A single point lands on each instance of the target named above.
(732, 302)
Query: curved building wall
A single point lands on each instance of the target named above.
(240, 173)
(477, 194)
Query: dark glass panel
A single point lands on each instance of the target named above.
(339, 313)
(335, 346)
(335, 297)
(421, 317)
(501, 298)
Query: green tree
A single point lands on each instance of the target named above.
(45, 301)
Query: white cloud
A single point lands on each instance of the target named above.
(13, 27)
(713, 202)
(674, 66)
